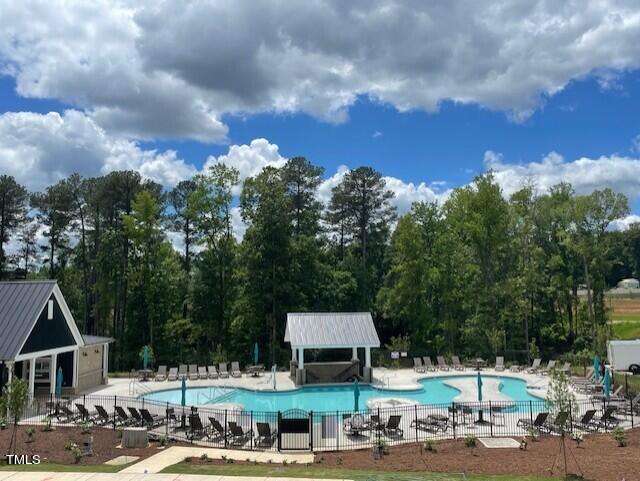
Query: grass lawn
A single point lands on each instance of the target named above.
(335, 473)
(626, 330)
(625, 316)
(64, 468)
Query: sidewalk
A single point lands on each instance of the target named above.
(48, 476)
(176, 454)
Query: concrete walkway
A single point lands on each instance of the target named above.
(49, 476)
(176, 454)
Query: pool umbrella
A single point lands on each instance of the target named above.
(356, 395)
(183, 389)
(273, 373)
(596, 368)
(480, 413)
(479, 387)
(59, 382)
(607, 384)
(255, 353)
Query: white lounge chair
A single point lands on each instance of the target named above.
(222, 370)
(213, 372)
(535, 366)
(417, 365)
(551, 365)
(193, 372)
(173, 374)
(499, 363)
(457, 365)
(161, 375)
(182, 372)
(428, 365)
(202, 372)
(442, 364)
(235, 369)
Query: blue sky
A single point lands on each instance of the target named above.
(533, 91)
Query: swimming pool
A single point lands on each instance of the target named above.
(434, 390)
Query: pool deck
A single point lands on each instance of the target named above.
(383, 378)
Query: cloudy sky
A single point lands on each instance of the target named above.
(429, 93)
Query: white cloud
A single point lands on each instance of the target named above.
(625, 223)
(635, 144)
(172, 70)
(622, 174)
(40, 149)
(376, 134)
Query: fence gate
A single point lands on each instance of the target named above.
(295, 430)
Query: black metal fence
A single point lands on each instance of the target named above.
(330, 430)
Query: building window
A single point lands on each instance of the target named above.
(50, 310)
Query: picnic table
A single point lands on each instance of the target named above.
(145, 374)
(255, 370)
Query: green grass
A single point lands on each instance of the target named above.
(626, 330)
(64, 468)
(316, 471)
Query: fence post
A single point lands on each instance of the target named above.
(531, 411)
(311, 430)
(84, 403)
(490, 418)
(279, 431)
(115, 403)
(225, 428)
(166, 421)
(251, 429)
(415, 406)
(453, 414)
(570, 416)
(631, 410)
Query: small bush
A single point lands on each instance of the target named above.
(578, 438)
(534, 434)
(523, 444)
(75, 450)
(619, 436)
(339, 460)
(429, 445)
(30, 432)
(48, 427)
(470, 441)
(85, 428)
(284, 462)
(164, 440)
(204, 457)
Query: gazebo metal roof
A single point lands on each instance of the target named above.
(322, 330)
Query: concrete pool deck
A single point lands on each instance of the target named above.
(383, 378)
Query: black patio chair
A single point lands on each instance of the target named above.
(266, 437)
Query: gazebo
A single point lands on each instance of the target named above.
(338, 331)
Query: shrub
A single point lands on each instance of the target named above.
(578, 438)
(163, 440)
(75, 450)
(534, 434)
(470, 441)
(619, 436)
(30, 432)
(429, 445)
(339, 460)
(204, 457)
(48, 426)
(85, 428)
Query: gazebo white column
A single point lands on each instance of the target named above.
(294, 354)
(53, 372)
(367, 357)
(354, 353)
(74, 376)
(301, 358)
(105, 363)
(32, 376)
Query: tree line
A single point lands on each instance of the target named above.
(476, 275)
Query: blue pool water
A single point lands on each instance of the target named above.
(330, 398)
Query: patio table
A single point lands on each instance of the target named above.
(255, 370)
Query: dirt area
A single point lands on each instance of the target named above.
(50, 445)
(624, 305)
(598, 457)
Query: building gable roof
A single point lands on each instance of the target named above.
(21, 303)
(331, 330)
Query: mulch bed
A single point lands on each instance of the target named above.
(50, 445)
(598, 457)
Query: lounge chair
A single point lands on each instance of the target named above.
(606, 421)
(442, 364)
(433, 423)
(170, 415)
(238, 436)
(196, 429)
(534, 366)
(515, 367)
(499, 363)
(566, 368)
(235, 369)
(193, 372)
(218, 429)
(150, 420)
(173, 374)
(629, 408)
(392, 428)
(428, 365)
(202, 372)
(66, 414)
(266, 437)
(182, 372)
(457, 365)
(537, 424)
(585, 421)
(222, 370)
(616, 396)
(558, 424)
(84, 414)
(135, 415)
(103, 416)
(161, 375)
(213, 372)
(551, 365)
(123, 418)
(417, 365)
(588, 378)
